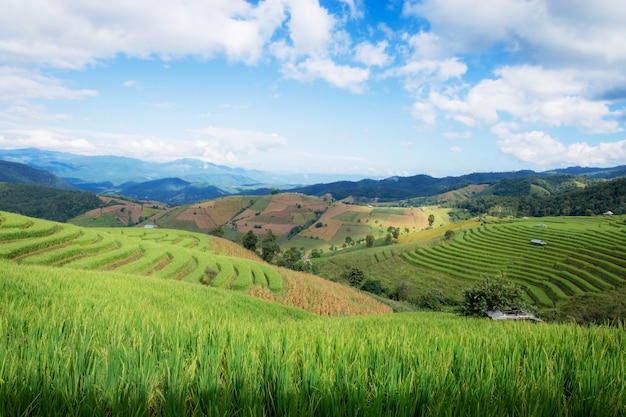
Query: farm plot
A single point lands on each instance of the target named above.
(167, 254)
(580, 256)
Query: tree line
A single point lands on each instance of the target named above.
(45, 202)
(593, 200)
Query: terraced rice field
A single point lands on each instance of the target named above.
(581, 255)
(164, 253)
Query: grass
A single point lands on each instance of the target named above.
(160, 253)
(584, 254)
(102, 344)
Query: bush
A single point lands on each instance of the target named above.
(433, 300)
(372, 286)
(491, 294)
(354, 276)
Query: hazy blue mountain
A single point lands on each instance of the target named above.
(16, 172)
(173, 191)
(93, 170)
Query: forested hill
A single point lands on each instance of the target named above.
(45, 202)
(593, 200)
(397, 188)
(517, 183)
(24, 174)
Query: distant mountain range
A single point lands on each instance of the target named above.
(187, 181)
(98, 173)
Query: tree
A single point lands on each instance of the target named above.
(369, 241)
(490, 294)
(355, 276)
(372, 286)
(449, 235)
(349, 241)
(269, 247)
(217, 231)
(290, 257)
(431, 219)
(249, 240)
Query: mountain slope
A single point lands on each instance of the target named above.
(45, 202)
(24, 174)
(172, 191)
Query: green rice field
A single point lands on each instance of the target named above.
(96, 343)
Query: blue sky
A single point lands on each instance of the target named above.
(375, 88)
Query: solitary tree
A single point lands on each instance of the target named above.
(369, 241)
(354, 276)
(269, 247)
(431, 219)
(249, 240)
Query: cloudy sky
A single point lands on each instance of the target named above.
(370, 87)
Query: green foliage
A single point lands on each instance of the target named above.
(597, 308)
(217, 231)
(289, 258)
(269, 247)
(490, 294)
(355, 276)
(369, 241)
(249, 240)
(431, 219)
(433, 300)
(449, 235)
(44, 202)
(596, 198)
(373, 286)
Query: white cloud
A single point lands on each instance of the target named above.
(30, 113)
(217, 145)
(428, 72)
(540, 148)
(310, 27)
(130, 83)
(530, 95)
(355, 8)
(74, 33)
(456, 149)
(51, 139)
(223, 144)
(578, 30)
(343, 76)
(20, 85)
(373, 55)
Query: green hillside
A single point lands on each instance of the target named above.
(45, 202)
(582, 255)
(102, 343)
(172, 254)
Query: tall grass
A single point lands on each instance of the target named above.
(89, 343)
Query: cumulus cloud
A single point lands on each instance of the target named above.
(372, 55)
(554, 31)
(540, 148)
(530, 95)
(74, 33)
(344, 76)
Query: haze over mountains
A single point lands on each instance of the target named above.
(186, 181)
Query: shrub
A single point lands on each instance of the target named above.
(372, 286)
(490, 294)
